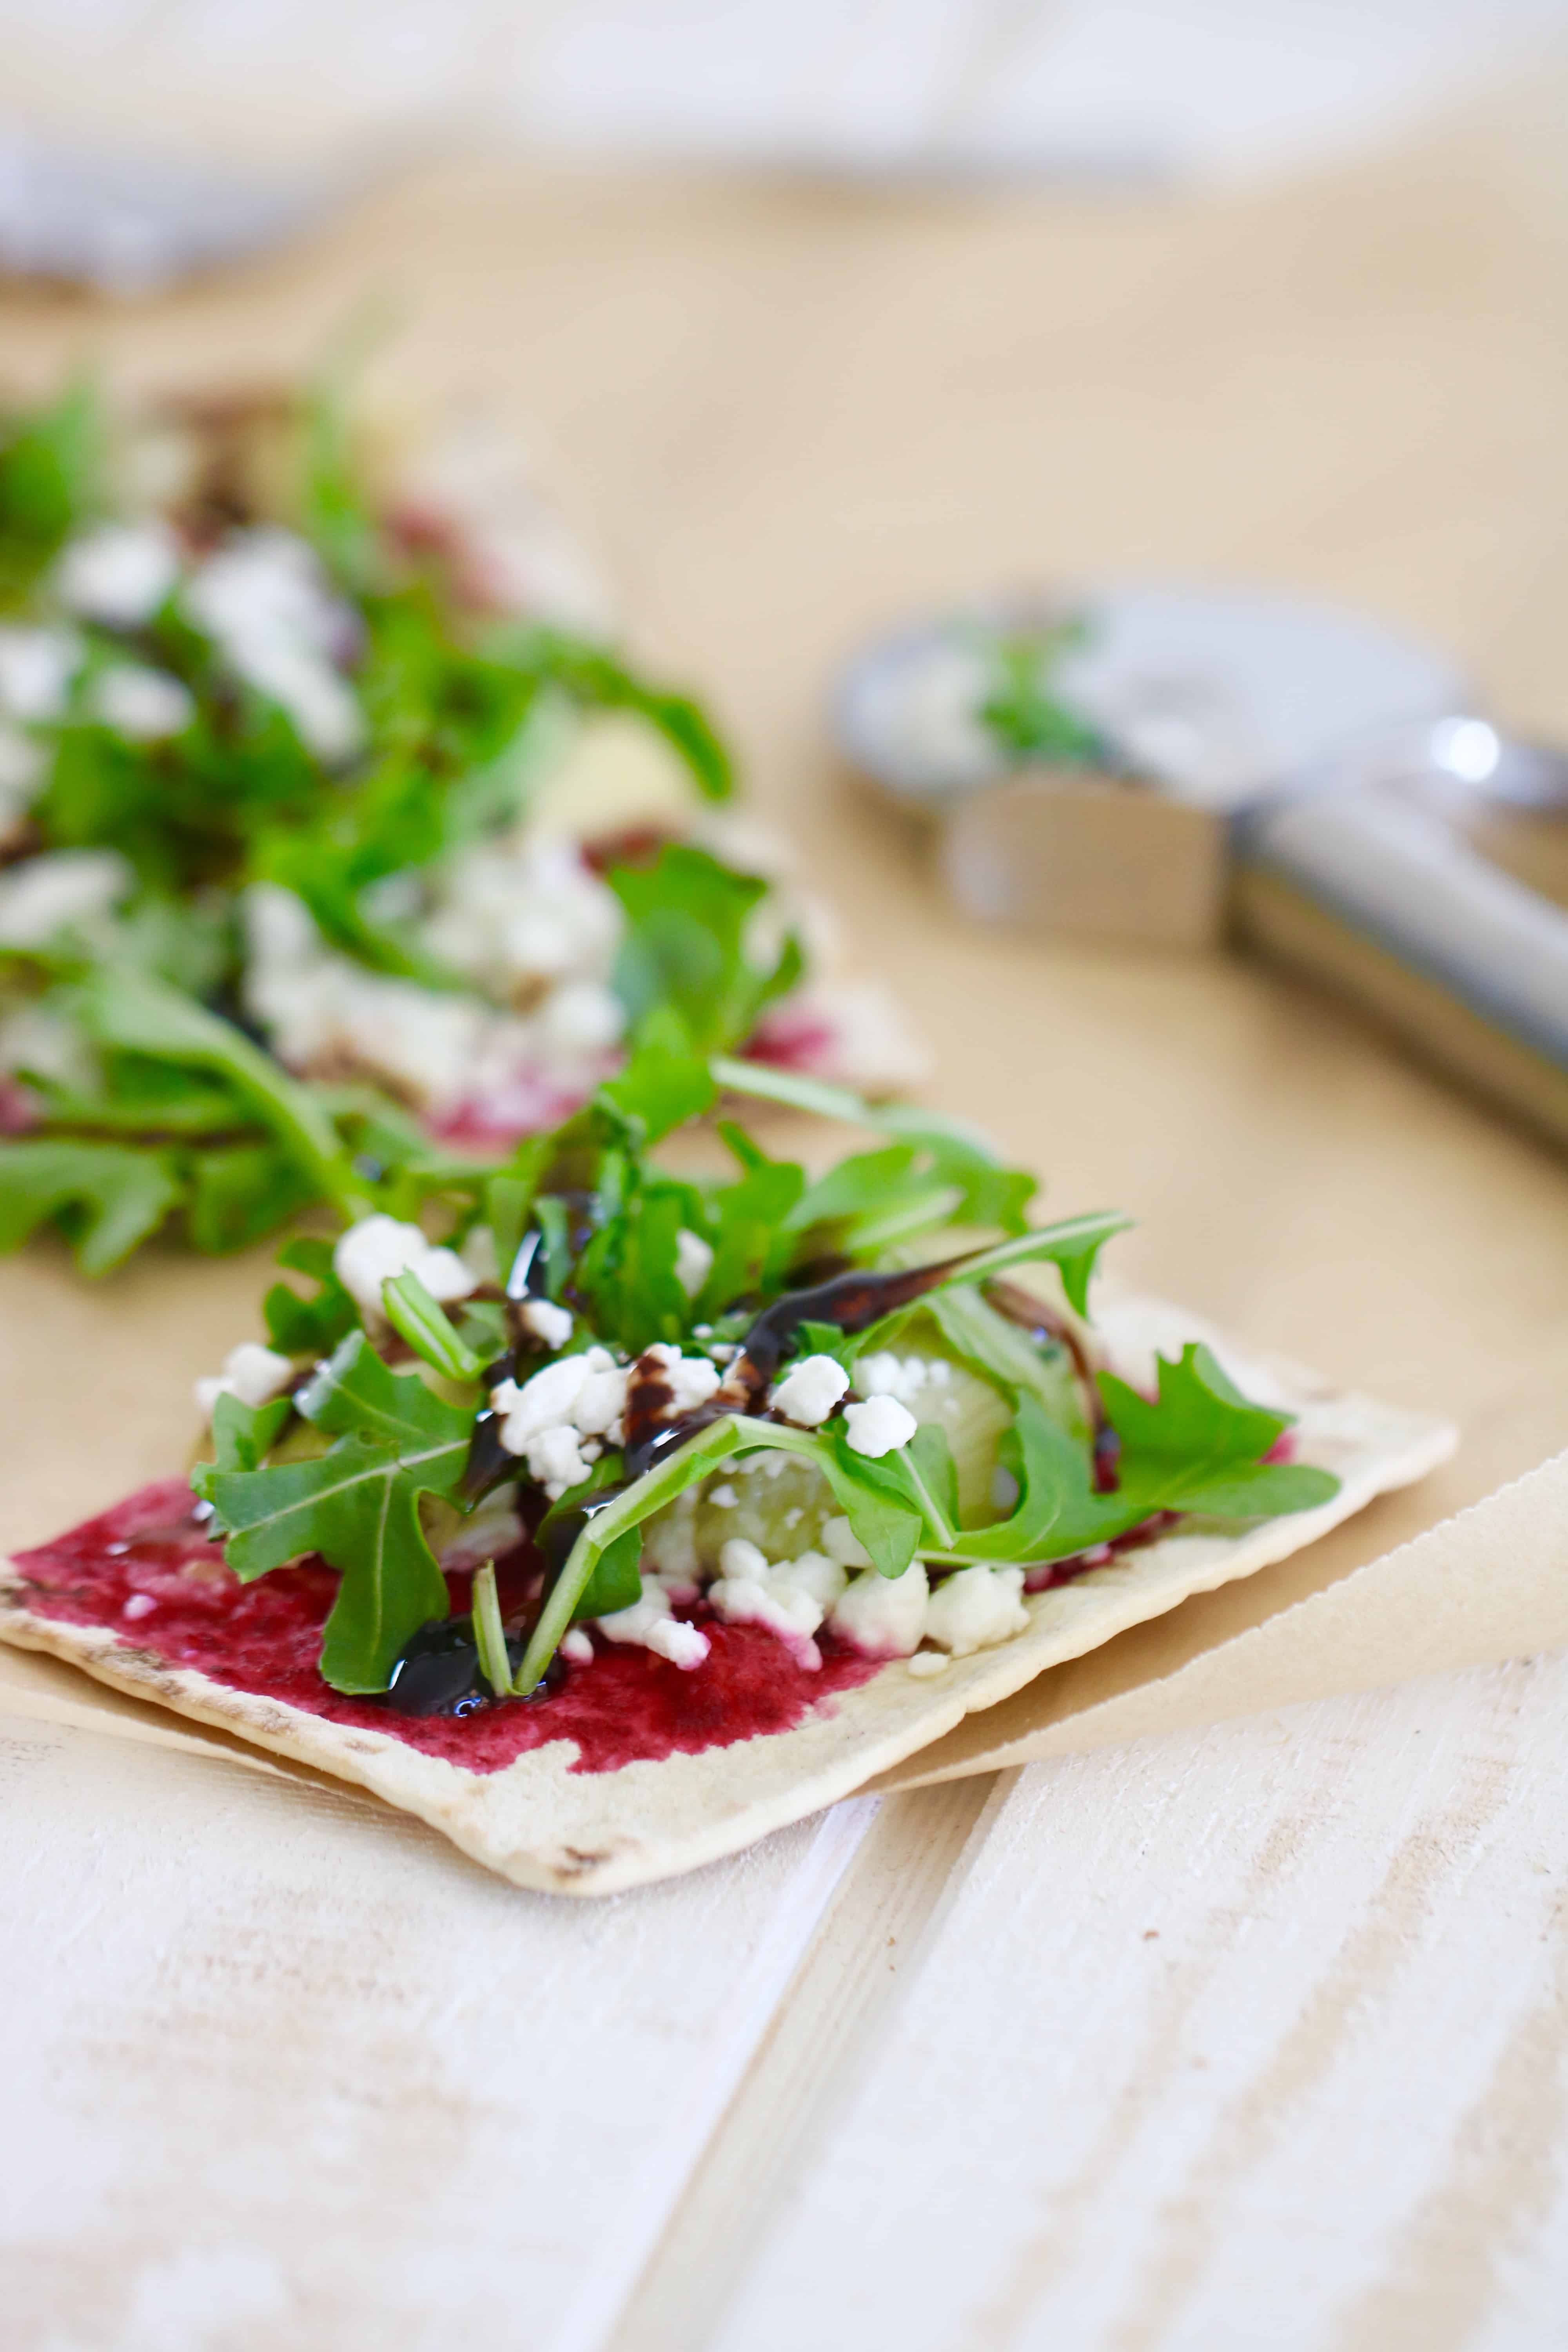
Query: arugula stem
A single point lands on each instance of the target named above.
(763, 1083)
(489, 1633)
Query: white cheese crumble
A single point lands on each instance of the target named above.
(145, 705)
(265, 602)
(519, 910)
(120, 573)
(690, 1380)
(556, 1419)
(976, 1608)
(649, 1624)
(251, 1372)
(926, 1663)
(878, 1426)
(883, 1616)
(789, 1597)
(547, 1321)
(378, 1247)
(810, 1391)
(693, 1261)
(66, 887)
(37, 666)
(885, 1374)
(576, 1646)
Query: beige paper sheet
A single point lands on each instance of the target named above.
(795, 412)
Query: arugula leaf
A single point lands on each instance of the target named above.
(926, 1462)
(663, 1083)
(423, 1322)
(989, 1345)
(240, 1192)
(119, 1007)
(244, 1433)
(597, 678)
(106, 1197)
(627, 1273)
(297, 1326)
(616, 1580)
(685, 946)
(749, 1227)
(357, 1506)
(51, 480)
(1195, 1450)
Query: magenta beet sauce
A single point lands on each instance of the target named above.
(627, 1707)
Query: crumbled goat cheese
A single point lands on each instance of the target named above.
(556, 1460)
(751, 1591)
(878, 1426)
(66, 887)
(521, 911)
(378, 1247)
(440, 1050)
(810, 1391)
(265, 602)
(926, 1663)
(576, 1646)
(885, 1374)
(976, 1608)
(141, 1604)
(693, 1261)
(37, 666)
(841, 1543)
(548, 1322)
(883, 1616)
(143, 704)
(650, 1625)
(579, 1018)
(815, 1573)
(555, 1419)
(251, 1372)
(690, 1380)
(120, 573)
(723, 1498)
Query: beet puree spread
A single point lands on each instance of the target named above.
(149, 1571)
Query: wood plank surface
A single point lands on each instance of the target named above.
(282, 2066)
(1252, 2038)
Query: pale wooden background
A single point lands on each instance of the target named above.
(281, 2071)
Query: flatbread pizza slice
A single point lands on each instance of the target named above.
(642, 1515)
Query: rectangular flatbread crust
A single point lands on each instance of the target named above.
(544, 1825)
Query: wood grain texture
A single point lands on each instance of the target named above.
(1254, 2039)
(282, 2066)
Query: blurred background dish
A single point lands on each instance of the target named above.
(1212, 693)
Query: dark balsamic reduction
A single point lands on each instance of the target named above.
(852, 1302)
(439, 1672)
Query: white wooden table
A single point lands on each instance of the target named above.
(1244, 2038)
(1253, 2038)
